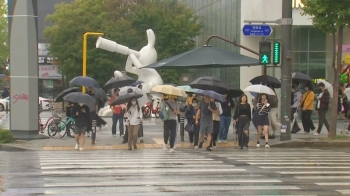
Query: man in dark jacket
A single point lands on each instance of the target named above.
(93, 112)
(322, 108)
(82, 119)
(225, 118)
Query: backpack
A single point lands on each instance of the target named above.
(163, 115)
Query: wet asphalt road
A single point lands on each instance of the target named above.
(185, 172)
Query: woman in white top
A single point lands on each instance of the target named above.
(134, 116)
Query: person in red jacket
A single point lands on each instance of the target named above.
(118, 115)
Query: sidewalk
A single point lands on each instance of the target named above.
(153, 138)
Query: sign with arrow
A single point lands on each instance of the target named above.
(261, 30)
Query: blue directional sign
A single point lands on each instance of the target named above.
(257, 30)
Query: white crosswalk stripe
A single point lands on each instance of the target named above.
(320, 167)
(148, 172)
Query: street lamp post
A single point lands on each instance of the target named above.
(85, 51)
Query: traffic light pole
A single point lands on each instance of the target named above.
(286, 67)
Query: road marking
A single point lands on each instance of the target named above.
(322, 177)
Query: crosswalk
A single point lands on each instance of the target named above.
(313, 168)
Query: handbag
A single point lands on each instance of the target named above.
(189, 128)
(164, 113)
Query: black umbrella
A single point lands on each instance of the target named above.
(120, 81)
(269, 80)
(300, 77)
(100, 93)
(125, 97)
(85, 81)
(234, 92)
(207, 57)
(79, 97)
(138, 82)
(60, 96)
(209, 83)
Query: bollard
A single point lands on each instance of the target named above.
(141, 132)
(7, 107)
(93, 135)
(182, 128)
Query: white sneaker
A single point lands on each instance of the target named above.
(267, 146)
(76, 146)
(225, 142)
(196, 147)
(220, 141)
(165, 147)
(81, 148)
(171, 150)
(174, 146)
(258, 145)
(316, 133)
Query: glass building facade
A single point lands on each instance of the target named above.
(218, 18)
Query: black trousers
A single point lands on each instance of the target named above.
(322, 120)
(295, 127)
(194, 136)
(306, 120)
(92, 117)
(169, 129)
(243, 125)
(215, 134)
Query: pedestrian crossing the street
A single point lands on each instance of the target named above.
(312, 168)
(152, 172)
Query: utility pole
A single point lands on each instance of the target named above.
(286, 66)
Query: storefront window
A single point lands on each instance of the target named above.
(300, 38)
(317, 40)
(49, 88)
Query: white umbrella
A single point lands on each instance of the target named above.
(169, 90)
(327, 85)
(142, 100)
(258, 88)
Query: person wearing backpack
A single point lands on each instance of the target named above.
(118, 115)
(169, 111)
(296, 96)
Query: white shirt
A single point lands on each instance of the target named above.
(319, 102)
(220, 108)
(134, 114)
(297, 98)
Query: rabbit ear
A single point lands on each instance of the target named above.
(151, 37)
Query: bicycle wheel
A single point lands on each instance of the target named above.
(157, 113)
(146, 112)
(71, 130)
(56, 128)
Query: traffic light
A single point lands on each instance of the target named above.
(276, 53)
(265, 53)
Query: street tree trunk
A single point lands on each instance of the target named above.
(337, 59)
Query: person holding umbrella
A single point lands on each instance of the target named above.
(134, 113)
(205, 112)
(262, 119)
(173, 109)
(225, 118)
(295, 101)
(118, 115)
(216, 123)
(191, 117)
(82, 120)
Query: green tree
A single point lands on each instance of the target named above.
(123, 21)
(3, 35)
(331, 17)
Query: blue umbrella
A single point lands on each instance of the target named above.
(211, 94)
(85, 81)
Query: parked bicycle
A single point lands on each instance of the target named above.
(148, 109)
(55, 126)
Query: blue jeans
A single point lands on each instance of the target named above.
(116, 118)
(225, 122)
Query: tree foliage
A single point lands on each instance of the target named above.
(4, 52)
(331, 17)
(125, 22)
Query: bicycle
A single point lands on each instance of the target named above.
(148, 109)
(55, 125)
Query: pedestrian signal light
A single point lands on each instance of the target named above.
(276, 53)
(265, 53)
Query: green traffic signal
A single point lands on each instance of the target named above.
(264, 59)
(276, 53)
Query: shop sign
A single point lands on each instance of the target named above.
(297, 4)
(49, 72)
(346, 48)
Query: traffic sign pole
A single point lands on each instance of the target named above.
(286, 65)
